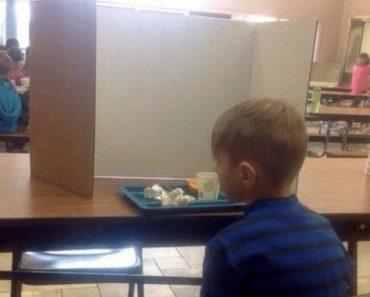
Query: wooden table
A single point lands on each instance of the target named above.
(346, 89)
(337, 96)
(341, 93)
(331, 113)
(37, 215)
(335, 187)
(14, 136)
(328, 115)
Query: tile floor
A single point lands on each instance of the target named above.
(185, 261)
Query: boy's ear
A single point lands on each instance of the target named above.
(248, 174)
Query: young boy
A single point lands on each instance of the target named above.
(279, 247)
(16, 71)
(10, 104)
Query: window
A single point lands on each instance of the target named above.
(23, 11)
(2, 21)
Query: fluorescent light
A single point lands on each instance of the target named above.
(167, 4)
(256, 18)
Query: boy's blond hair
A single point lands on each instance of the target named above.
(270, 132)
(5, 62)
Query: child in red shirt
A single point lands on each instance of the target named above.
(360, 77)
(360, 74)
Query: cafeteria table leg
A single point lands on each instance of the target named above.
(140, 290)
(16, 286)
(344, 132)
(352, 250)
(327, 136)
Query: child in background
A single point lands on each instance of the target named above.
(10, 104)
(16, 68)
(11, 42)
(360, 77)
(279, 248)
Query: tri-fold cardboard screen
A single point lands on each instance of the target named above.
(119, 92)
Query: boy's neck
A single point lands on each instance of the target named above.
(269, 192)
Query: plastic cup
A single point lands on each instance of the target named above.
(208, 185)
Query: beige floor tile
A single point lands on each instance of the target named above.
(46, 293)
(364, 264)
(121, 290)
(363, 247)
(363, 284)
(81, 292)
(114, 290)
(171, 263)
(5, 260)
(183, 272)
(41, 287)
(150, 267)
(167, 252)
(56, 287)
(4, 286)
(26, 294)
(186, 291)
(194, 255)
(79, 286)
(158, 291)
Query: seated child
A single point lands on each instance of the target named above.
(16, 68)
(11, 42)
(279, 248)
(10, 104)
(360, 77)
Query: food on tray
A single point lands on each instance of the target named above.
(176, 192)
(184, 200)
(154, 192)
(176, 197)
(193, 184)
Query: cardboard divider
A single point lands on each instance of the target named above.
(160, 82)
(62, 105)
(282, 61)
(177, 74)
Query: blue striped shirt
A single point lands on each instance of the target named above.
(279, 248)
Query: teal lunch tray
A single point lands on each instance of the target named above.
(152, 206)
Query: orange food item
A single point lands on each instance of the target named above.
(193, 184)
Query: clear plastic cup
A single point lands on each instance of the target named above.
(208, 185)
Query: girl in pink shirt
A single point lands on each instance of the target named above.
(360, 74)
(360, 77)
